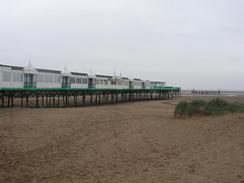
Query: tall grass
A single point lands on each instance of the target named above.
(180, 108)
(215, 106)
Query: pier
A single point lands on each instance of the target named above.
(206, 92)
(67, 97)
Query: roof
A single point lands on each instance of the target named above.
(39, 70)
(5, 65)
(137, 79)
(17, 68)
(48, 71)
(30, 69)
(125, 78)
(158, 82)
(13, 67)
(79, 74)
(103, 76)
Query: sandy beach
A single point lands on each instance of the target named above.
(132, 142)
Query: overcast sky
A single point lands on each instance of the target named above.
(190, 43)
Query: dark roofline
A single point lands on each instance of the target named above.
(13, 67)
(103, 76)
(48, 71)
(158, 82)
(5, 65)
(17, 68)
(38, 69)
(79, 74)
(137, 79)
(125, 78)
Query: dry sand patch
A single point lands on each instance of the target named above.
(132, 142)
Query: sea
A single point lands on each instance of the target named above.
(223, 92)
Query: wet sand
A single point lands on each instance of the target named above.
(132, 142)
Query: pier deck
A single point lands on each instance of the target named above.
(67, 97)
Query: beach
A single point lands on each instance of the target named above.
(130, 142)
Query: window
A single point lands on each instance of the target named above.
(49, 78)
(78, 80)
(84, 81)
(72, 79)
(40, 78)
(124, 82)
(17, 77)
(6, 76)
(29, 78)
(56, 79)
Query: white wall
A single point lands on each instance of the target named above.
(148, 85)
(48, 80)
(48, 85)
(118, 87)
(99, 86)
(75, 85)
(109, 86)
(137, 84)
(100, 83)
(120, 84)
(137, 87)
(11, 83)
(1, 82)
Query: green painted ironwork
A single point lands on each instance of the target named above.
(90, 89)
(53, 97)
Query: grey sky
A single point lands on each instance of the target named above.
(190, 43)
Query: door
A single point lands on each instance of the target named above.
(91, 83)
(29, 81)
(143, 85)
(131, 86)
(66, 82)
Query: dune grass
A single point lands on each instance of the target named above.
(215, 106)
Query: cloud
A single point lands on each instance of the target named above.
(150, 39)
